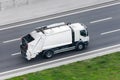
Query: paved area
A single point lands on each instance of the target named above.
(104, 30)
(44, 8)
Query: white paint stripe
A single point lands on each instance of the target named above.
(11, 40)
(15, 54)
(110, 32)
(35, 65)
(100, 20)
(59, 16)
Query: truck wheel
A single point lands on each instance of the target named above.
(48, 54)
(80, 46)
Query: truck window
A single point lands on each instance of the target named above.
(83, 33)
(23, 41)
(28, 38)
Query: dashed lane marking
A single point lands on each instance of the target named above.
(100, 20)
(110, 32)
(18, 53)
(11, 40)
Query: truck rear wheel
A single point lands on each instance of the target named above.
(80, 46)
(48, 54)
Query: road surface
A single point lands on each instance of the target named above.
(103, 26)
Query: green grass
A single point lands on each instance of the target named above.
(101, 68)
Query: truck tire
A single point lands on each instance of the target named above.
(80, 46)
(48, 54)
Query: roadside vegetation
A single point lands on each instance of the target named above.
(101, 68)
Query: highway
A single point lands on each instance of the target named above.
(103, 26)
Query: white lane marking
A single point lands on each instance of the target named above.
(35, 65)
(18, 53)
(100, 20)
(11, 40)
(110, 32)
(60, 16)
(11, 27)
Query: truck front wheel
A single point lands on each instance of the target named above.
(80, 46)
(48, 54)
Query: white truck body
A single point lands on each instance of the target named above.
(53, 37)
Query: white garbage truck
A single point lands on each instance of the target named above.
(53, 39)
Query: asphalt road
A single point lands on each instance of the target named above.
(103, 26)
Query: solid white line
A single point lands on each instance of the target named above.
(35, 65)
(11, 40)
(110, 32)
(15, 54)
(60, 16)
(100, 20)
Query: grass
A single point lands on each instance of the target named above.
(101, 68)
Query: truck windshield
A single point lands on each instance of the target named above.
(84, 33)
(28, 38)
